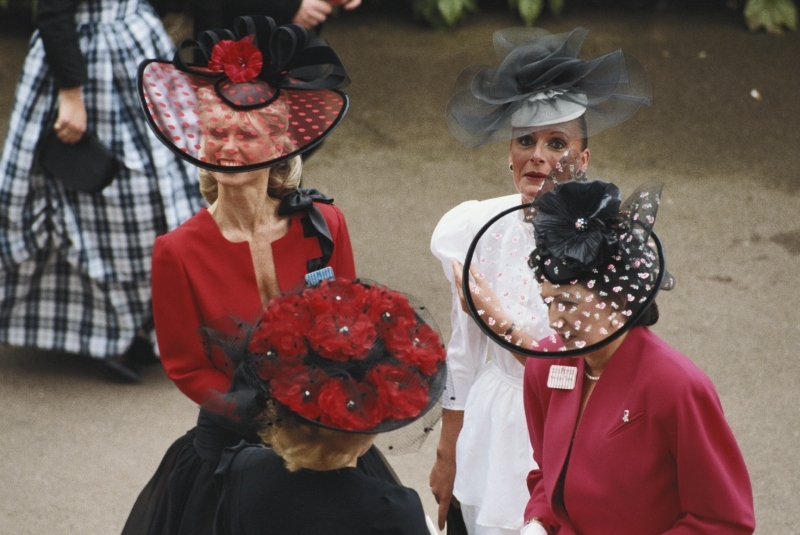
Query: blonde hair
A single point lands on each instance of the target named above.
(305, 445)
(272, 120)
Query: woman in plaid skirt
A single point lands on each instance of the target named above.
(75, 266)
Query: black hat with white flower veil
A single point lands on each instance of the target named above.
(540, 81)
(596, 259)
(262, 95)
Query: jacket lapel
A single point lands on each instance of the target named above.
(560, 424)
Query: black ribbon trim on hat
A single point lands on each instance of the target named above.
(302, 201)
(292, 57)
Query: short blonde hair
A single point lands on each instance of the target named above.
(305, 445)
(272, 120)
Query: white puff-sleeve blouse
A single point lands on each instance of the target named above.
(502, 256)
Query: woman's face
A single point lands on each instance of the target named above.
(579, 316)
(231, 145)
(533, 155)
(236, 143)
(235, 139)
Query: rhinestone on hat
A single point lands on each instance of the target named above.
(581, 224)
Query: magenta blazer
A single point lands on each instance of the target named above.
(652, 454)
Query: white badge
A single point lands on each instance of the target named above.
(562, 377)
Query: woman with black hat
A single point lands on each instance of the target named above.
(265, 95)
(338, 364)
(629, 437)
(546, 102)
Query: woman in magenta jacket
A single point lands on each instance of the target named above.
(628, 435)
(629, 438)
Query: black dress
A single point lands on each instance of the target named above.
(180, 498)
(259, 495)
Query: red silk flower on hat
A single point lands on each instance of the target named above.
(341, 330)
(347, 405)
(298, 388)
(343, 336)
(282, 327)
(241, 60)
(402, 393)
(416, 344)
(387, 307)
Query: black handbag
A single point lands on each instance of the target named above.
(87, 165)
(455, 521)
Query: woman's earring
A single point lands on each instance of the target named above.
(511, 167)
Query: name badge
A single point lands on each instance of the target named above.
(315, 277)
(562, 377)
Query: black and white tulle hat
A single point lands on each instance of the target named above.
(540, 81)
(262, 95)
(596, 268)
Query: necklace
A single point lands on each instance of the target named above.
(591, 377)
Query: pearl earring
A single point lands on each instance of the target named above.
(510, 167)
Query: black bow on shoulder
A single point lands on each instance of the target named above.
(302, 201)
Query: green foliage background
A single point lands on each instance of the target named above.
(19, 4)
(770, 15)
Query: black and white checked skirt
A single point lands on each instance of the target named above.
(75, 267)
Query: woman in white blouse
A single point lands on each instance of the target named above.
(547, 102)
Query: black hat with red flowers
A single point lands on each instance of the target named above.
(345, 355)
(261, 95)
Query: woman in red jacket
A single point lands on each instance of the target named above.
(244, 119)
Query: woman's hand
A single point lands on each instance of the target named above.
(71, 122)
(443, 473)
(490, 307)
(458, 268)
(442, 478)
(483, 296)
(312, 13)
(350, 5)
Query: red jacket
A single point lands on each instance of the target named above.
(199, 276)
(652, 453)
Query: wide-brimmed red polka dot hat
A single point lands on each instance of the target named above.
(261, 95)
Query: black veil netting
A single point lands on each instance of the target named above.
(540, 81)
